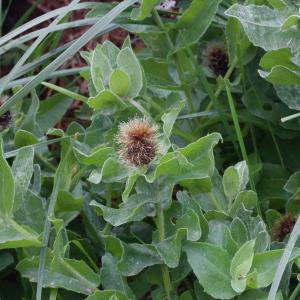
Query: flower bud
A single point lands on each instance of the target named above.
(137, 141)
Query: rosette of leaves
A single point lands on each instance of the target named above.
(115, 77)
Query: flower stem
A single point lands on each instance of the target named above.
(160, 223)
(177, 57)
(295, 292)
(240, 137)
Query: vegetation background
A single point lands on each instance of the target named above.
(149, 149)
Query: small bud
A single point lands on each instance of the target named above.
(137, 141)
(5, 120)
(283, 227)
(215, 57)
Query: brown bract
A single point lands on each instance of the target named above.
(283, 227)
(216, 58)
(137, 141)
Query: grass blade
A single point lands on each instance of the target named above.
(65, 92)
(27, 37)
(43, 18)
(60, 73)
(35, 44)
(77, 45)
(284, 260)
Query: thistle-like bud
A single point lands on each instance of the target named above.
(215, 57)
(283, 227)
(137, 141)
(5, 120)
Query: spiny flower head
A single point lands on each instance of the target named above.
(137, 141)
(215, 57)
(5, 119)
(283, 227)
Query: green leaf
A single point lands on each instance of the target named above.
(281, 75)
(265, 264)
(263, 26)
(144, 10)
(136, 208)
(100, 69)
(130, 65)
(170, 117)
(22, 172)
(107, 295)
(112, 171)
(170, 248)
(12, 235)
(119, 82)
(239, 231)
(293, 183)
(66, 202)
(235, 179)
(25, 138)
(191, 165)
(241, 265)
(111, 278)
(7, 185)
(221, 236)
(280, 57)
(51, 111)
(191, 222)
(137, 257)
(289, 94)
(69, 274)
(246, 198)
(107, 102)
(6, 259)
(187, 203)
(195, 21)
(95, 157)
(211, 266)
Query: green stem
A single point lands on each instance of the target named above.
(108, 226)
(47, 227)
(276, 145)
(53, 294)
(178, 64)
(45, 162)
(213, 96)
(160, 222)
(291, 117)
(239, 136)
(295, 292)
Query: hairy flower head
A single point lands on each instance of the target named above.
(283, 227)
(215, 57)
(5, 119)
(137, 141)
